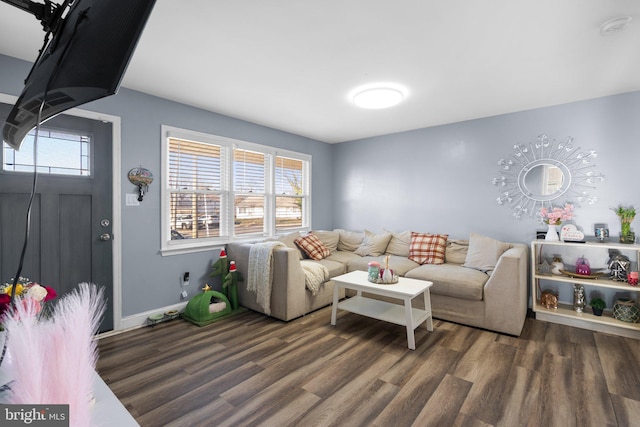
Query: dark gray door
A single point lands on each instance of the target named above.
(70, 219)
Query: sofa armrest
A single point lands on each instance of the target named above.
(288, 288)
(505, 293)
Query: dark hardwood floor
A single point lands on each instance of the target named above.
(254, 370)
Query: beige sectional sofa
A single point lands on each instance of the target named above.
(482, 282)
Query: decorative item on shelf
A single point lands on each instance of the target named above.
(543, 268)
(554, 217)
(549, 299)
(552, 234)
(557, 265)
(582, 267)
(570, 233)
(597, 305)
(601, 231)
(626, 215)
(626, 310)
(373, 271)
(578, 298)
(633, 278)
(141, 178)
(619, 266)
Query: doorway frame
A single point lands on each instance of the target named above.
(116, 247)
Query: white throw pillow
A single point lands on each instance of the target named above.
(329, 238)
(399, 244)
(349, 240)
(484, 252)
(373, 244)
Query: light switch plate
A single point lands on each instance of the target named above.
(132, 200)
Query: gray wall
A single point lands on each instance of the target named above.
(149, 280)
(438, 179)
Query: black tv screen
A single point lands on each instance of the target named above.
(84, 60)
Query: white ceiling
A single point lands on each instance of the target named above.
(290, 64)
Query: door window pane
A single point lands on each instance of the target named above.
(59, 153)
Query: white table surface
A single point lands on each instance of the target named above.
(107, 411)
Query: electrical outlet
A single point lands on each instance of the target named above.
(183, 294)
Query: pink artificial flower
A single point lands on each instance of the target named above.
(51, 293)
(556, 215)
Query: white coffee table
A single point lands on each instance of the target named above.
(405, 315)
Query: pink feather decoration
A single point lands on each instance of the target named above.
(54, 359)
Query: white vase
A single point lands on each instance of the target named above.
(552, 234)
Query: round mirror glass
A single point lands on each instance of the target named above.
(543, 180)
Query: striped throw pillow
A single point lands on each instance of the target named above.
(313, 247)
(427, 248)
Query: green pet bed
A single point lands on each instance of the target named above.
(207, 307)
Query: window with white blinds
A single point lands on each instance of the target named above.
(218, 189)
(290, 192)
(249, 188)
(196, 190)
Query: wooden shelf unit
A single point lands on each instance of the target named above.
(565, 314)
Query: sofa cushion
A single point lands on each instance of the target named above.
(290, 241)
(373, 244)
(399, 244)
(361, 263)
(484, 252)
(343, 257)
(329, 238)
(427, 248)
(452, 280)
(335, 268)
(312, 246)
(456, 251)
(349, 240)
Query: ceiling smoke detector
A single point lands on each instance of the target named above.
(615, 25)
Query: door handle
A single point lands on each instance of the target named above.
(105, 237)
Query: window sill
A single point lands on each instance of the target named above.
(192, 248)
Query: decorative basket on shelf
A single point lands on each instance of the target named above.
(626, 310)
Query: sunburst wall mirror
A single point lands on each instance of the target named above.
(544, 173)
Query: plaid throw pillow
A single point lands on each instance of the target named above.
(313, 247)
(427, 248)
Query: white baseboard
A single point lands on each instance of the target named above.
(138, 320)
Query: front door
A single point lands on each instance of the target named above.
(70, 228)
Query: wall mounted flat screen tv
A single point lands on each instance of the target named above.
(84, 60)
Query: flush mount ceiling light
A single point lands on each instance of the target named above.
(615, 25)
(377, 96)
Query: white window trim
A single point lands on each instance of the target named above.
(176, 247)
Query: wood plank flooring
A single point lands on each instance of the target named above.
(254, 370)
